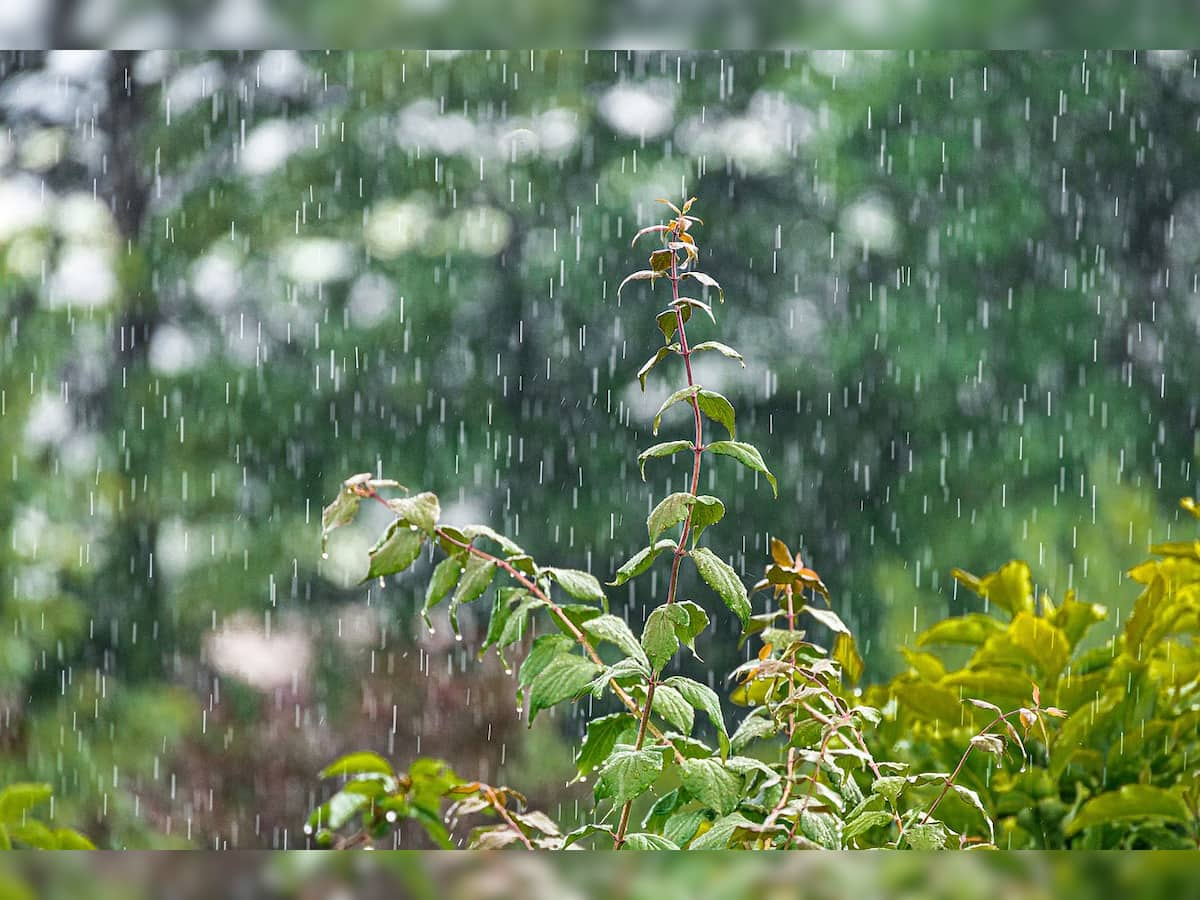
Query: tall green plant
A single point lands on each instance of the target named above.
(797, 772)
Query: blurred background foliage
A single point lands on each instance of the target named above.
(1154, 875)
(964, 284)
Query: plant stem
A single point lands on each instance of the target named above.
(495, 803)
(698, 443)
(1003, 717)
(681, 548)
(623, 825)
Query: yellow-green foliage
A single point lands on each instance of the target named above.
(1122, 769)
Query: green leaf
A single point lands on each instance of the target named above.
(845, 654)
(342, 510)
(828, 618)
(476, 576)
(580, 585)
(706, 511)
(685, 302)
(614, 630)
(704, 699)
(723, 349)
(930, 836)
(707, 281)
(668, 322)
(70, 839)
(717, 408)
(1130, 801)
(712, 784)
(641, 561)
(643, 275)
(339, 810)
(445, 576)
(668, 448)
(679, 396)
(659, 637)
(545, 648)
(723, 830)
(363, 762)
(670, 705)
(865, 821)
(643, 841)
(670, 511)
(627, 774)
(601, 736)
(748, 456)
(696, 623)
(564, 677)
(422, 510)
(972, 629)
(19, 798)
(1010, 588)
(719, 576)
(663, 353)
(683, 826)
(396, 551)
(514, 625)
(470, 532)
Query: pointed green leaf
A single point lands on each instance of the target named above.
(663, 353)
(707, 511)
(396, 551)
(422, 510)
(563, 678)
(628, 773)
(580, 585)
(719, 576)
(668, 448)
(507, 601)
(722, 832)
(717, 408)
(670, 511)
(747, 455)
(476, 576)
(704, 699)
(670, 705)
(644, 841)
(696, 623)
(445, 576)
(659, 637)
(668, 322)
(724, 349)
(707, 281)
(685, 302)
(614, 630)
(364, 762)
(641, 562)
(1130, 801)
(712, 784)
(601, 736)
(679, 396)
(643, 275)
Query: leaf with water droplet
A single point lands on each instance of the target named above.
(748, 456)
(396, 551)
(719, 576)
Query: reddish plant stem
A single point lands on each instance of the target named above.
(681, 548)
(503, 813)
(698, 444)
(1003, 717)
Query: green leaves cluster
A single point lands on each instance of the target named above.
(22, 828)
(1120, 771)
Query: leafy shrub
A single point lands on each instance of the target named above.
(1123, 769)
